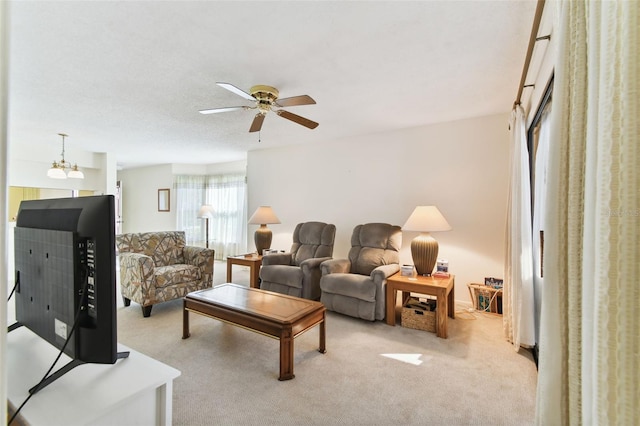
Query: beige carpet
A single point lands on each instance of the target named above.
(372, 373)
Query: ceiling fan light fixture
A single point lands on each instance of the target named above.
(264, 93)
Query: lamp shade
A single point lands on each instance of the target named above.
(264, 215)
(426, 219)
(74, 173)
(206, 211)
(56, 173)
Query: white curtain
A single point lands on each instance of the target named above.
(191, 194)
(539, 196)
(518, 304)
(589, 365)
(227, 195)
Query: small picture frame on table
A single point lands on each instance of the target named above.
(493, 282)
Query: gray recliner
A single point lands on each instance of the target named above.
(356, 286)
(297, 273)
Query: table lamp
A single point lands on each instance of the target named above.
(263, 215)
(424, 248)
(206, 213)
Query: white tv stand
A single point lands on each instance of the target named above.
(134, 391)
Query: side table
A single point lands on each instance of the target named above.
(442, 288)
(253, 261)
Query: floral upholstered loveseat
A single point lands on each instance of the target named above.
(159, 266)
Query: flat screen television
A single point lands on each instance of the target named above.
(65, 277)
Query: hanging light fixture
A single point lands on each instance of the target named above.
(58, 169)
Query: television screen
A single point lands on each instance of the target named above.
(66, 277)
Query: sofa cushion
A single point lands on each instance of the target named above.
(349, 285)
(176, 274)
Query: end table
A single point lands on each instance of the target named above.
(253, 261)
(442, 288)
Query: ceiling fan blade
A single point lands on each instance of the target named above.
(297, 119)
(257, 123)
(217, 110)
(295, 100)
(234, 89)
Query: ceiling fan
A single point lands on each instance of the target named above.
(266, 99)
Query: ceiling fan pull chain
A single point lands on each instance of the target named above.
(259, 136)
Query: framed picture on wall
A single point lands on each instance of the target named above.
(163, 200)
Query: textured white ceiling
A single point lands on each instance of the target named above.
(130, 77)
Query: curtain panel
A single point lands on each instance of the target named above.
(539, 197)
(191, 192)
(227, 195)
(518, 303)
(589, 368)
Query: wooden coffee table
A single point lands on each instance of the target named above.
(272, 314)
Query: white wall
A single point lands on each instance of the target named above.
(210, 169)
(140, 199)
(462, 167)
(140, 193)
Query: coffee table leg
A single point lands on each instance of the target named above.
(322, 349)
(286, 355)
(185, 321)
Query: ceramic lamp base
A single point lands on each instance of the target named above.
(262, 238)
(424, 251)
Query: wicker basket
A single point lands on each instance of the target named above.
(417, 314)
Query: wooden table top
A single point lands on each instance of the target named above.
(260, 303)
(442, 282)
(248, 256)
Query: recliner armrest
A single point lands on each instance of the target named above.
(313, 262)
(383, 272)
(335, 266)
(276, 259)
